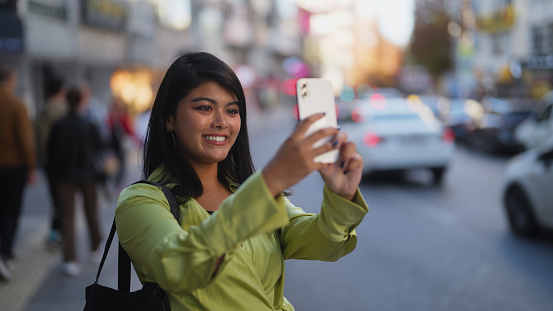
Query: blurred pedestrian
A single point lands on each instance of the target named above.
(141, 126)
(73, 145)
(17, 164)
(121, 134)
(96, 112)
(53, 110)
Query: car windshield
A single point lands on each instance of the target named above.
(545, 114)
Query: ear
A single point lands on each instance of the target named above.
(170, 124)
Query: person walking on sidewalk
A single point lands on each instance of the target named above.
(17, 164)
(121, 132)
(55, 108)
(73, 144)
(227, 250)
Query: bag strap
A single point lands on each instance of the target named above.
(124, 261)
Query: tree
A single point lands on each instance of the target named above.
(431, 43)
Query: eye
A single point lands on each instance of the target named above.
(203, 108)
(233, 111)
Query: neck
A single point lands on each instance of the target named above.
(207, 174)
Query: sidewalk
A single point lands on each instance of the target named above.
(38, 283)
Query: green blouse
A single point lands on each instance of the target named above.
(180, 257)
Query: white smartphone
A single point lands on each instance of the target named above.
(314, 96)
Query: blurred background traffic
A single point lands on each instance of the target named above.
(451, 99)
(475, 64)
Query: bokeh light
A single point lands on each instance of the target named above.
(347, 94)
(364, 91)
(296, 68)
(288, 87)
(473, 109)
(134, 88)
(358, 115)
(377, 101)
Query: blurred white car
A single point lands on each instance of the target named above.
(528, 190)
(537, 129)
(397, 134)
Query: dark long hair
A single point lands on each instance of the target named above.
(188, 72)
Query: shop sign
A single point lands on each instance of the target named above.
(11, 33)
(49, 8)
(501, 20)
(111, 14)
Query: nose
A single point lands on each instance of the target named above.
(219, 120)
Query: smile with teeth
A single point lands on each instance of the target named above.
(215, 138)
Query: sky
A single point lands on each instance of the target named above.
(395, 17)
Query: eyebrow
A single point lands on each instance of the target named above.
(199, 99)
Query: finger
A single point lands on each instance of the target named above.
(355, 162)
(340, 137)
(321, 166)
(322, 133)
(302, 127)
(347, 149)
(329, 146)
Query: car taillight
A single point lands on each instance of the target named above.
(371, 139)
(448, 136)
(357, 115)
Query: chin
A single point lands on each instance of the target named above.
(219, 158)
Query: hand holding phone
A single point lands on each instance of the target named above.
(315, 95)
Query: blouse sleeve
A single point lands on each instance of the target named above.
(183, 260)
(326, 236)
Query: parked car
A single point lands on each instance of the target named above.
(397, 134)
(538, 128)
(494, 132)
(527, 190)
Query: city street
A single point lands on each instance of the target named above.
(420, 247)
(417, 83)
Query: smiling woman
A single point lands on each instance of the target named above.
(227, 249)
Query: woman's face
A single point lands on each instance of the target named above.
(206, 124)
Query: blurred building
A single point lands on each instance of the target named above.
(122, 47)
(513, 47)
(344, 38)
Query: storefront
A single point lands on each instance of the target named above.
(538, 74)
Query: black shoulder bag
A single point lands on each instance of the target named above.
(150, 297)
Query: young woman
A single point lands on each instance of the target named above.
(235, 230)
